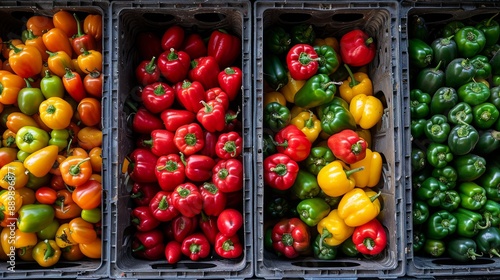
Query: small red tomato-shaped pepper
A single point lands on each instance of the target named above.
(224, 47)
(204, 70)
(347, 146)
(148, 245)
(175, 118)
(143, 219)
(162, 208)
(212, 116)
(142, 166)
(292, 142)
(173, 37)
(187, 199)
(290, 237)
(147, 72)
(189, 139)
(161, 142)
(142, 193)
(173, 252)
(357, 48)
(302, 61)
(229, 145)
(230, 81)
(218, 95)
(214, 201)
(174, 65)
(194, 46)
(228, 175)
(196, 246)
(190, 94)
(198, 167)
(370, 238)
(280, 171)
(208, 225)
(229, 221)
(180, 227)
(228, 247)
(170, 172)
(157, 97)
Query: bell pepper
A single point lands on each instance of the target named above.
(472, 195)
(458, 72)
(25, 61)
(162, 208)
(46, 253)
(460, 113)
(420, 211)
(10, 203)
(88, 195)
(348, 248)
(173, 37)
(212, 116)
(452, 27)
(189, 138)
(437, 128)
(293, 142)
(274, 72)
(35, 41)
(174, 65)
(196, 246)
(290, 88)
(469, 167)
(229, 221)
(420, 53)
(333, 230)
(82, 231)
(157, 97)
(447, 175)
(370, 238)
(491, 30)
(210, 144)
(473, 93)
(417, 128)
(190, 94)
(29, 99)
(228, 247)
(485, 115)
(491, 212)
(280, 171)
(439, 155)
(302, 61)
(276, 116)
(143, 219)
(175, 118)
(440, 225)
(488, 241)
(357, 83)
(324, 251)
(290, 237)
(482, 66)
(470, 41)
(318, 158)
(445, 49)
(40, 162)
(357, 48)
(312, 210)
(148, 245)
(170, 171)
(418, 159)
(230, 81)
(214, 200)
(161, 143)
(142, 193)
(490, 182)
(328, 61)
(309, 124)
(34, 217)
(76, 170)
(451, 200)
(302, 34)
(366, 110)
(359, 206)
(63, 237)
(229, 145)
(419, 104)
(147, 72)
(277, 40)
(462, 249)
(372, 170)
(334, 179)
(13, 176)
(318, 90)
(56, 113)
(181, 227)
(305, 185)
(145, 122)
(217, 95)
(434, 248)
(187, 199)
(469, 222)
(277, 207)
(488, 142)
(10, 85)
(208, 225)
(432, 191)
(142, 166)
(91, 215)
(31, 139)
(89, 137)
(224, 47)
(173, 252)
(347, 146)
(228, 175)
(59, 138)
(205, 70)
(335, 118)
(198, 168)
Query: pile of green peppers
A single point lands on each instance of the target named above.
(455, 128)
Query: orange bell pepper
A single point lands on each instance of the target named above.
(63, 237)
(17, 120)
(9, 139)
(24, 239)
(26, 254)
(58, 62)
(89, 137)
(82, 231)
(7, 155)
(56, 40)
(13, 175)
(72, 253)
(27, 194)
(37, 42)
(96, 159)
(88, 196)
(66, 22)
(39, 24)
(77, 151)
(6, 47)
(39, 163)
(55, 167)
(92, 25)
(92, 250)
(90, 60)
(10, 85)
(56, 113)
(75, 170)
(65, 208)
(25, 61)
(89, 111)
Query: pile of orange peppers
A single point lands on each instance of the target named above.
(50, 154)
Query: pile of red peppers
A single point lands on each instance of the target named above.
(186, 168)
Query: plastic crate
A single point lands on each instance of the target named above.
(13, 16)
(130, 18)
(334, 18)
(436, 14)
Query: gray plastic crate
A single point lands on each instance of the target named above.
(13, 16)
(130, 18)
(436, 14)
(381, 20)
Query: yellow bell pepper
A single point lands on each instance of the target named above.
(23, 240)
(274, 96)
(359, 206)
(297, 110)
(334, 179)
(370, 175)
(357, 83)
(40, 162)
(46, 253)
(10, 202)
(5, 241)
(14, 175)
(329, 41)
(308, 123)
(63, 236)
(291, 88)
(333, 230)
(9, 138)
(367, 110)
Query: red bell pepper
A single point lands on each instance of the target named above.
(224, 47)
(145, 122)
(181, 227)
(232, 121)
(161, 207)
(302, 61)
(147, 72)
(142, 166)
(228, 247)
(210, 142)
(173, 37)
(280, 171)
(290, 237)
(81, 40)
(212, 116)
(229, 222)
(357, 48)
(142, 193)
(175, 118)
(187, 199)
(170, 172)
(370, 238)
(347, 146)
(157, 97)
(292, 142)
(229, 145)
(143, 219)
(148, 245)
(198, 167)
(161, 142)
(196, 246)
(194, 46)
(230, 81)
(214, 201)
(189, 138)
(148, 45)
(228, 175)
(190, 94)
(204, 70)
(173, 252)
(174, 65)
(218, 95)
(208, 225)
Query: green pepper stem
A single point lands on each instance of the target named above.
(494, 252)
(324, 234)
(353, 82)
(140, 248)
(438, 66)
(471, 253)
(373, 197)
(163, 205)
(49, 252)
(349, 172)
(150, 67)
(79, 28)
(490, 19)
(183, 158)
(172, 55)
(75, 169)
(279, 169)
(495, 134)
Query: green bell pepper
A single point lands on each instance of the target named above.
(336, 101)
(59, 137)
(437, 128)
(31, 139)
(443, 100)
(418, 240)
(439, 155)
(434, 248)
(491, 212)
(470, 41)
(469, 222)
(268, 240)
(419, 177)
(488, 241)
(485, 115)
(459, 72)
(495, 96)
(462, 249)
(91, 215)
(473, 93)
(328, 62)
(447, 175)
(274, 72)
(472, 196)
(49, 232)
(313, 210)
(491, 30)
(269, 146)
(330, 200)
(469, 167)
(482, 65)
(322, 250)
(451, 201)
(418, 28)
(490, 51)
(420, 53)
(276, 116)
(348, 248)
(318, 158)
(418, 159)
(29, 99)
(305, 185)
(277, 207)
(22, 155)
(318, 90)
(440, 225)
(51, 86)
(418, 128)
(445, 50)
(495, 64)
(432, 192)
(429, 80)
(277, 40)
(490, 181)
(336, 118)
(419, 104)
(462, 139)
(35, 183)
(34, 217)
(460, 113)
(420, 211)
(489, 141)
(451, 28)
(303, 34)
(495, 80)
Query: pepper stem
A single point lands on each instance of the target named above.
(140, 248)
(49, 252)
(163, 205)
(231, 148)
(369, 243)
(495, 134)
(471, 253)
(438, 66)
(372, 198)
(75, 169)
(324, 234)
(150, 67)
(490, 19)
(349, 172)
(353, 81)
(228, 245)
(279, 169)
